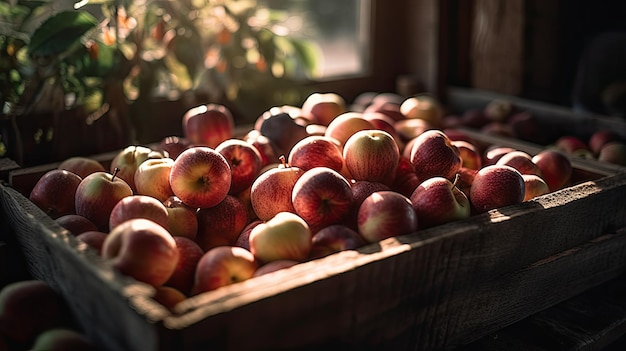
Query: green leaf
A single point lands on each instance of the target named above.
(60, 32)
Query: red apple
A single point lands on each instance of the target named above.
(285, 236)
(372, 155)
(573, 145)
(271, 191)
(556, 168)
(343, 126)
(171, 146)
(521, 161)
(322, 108)
(424, 107)
(386, 124)
(222, 266)
(405, 180)
(76, 224)
(244, 160)
(28, 308)
(129, 159)
(534, 186)
(264, 145)
(182, 220)
(386, 105)
(152, 178)
(601, 137)
(496, 186)
(335, 238)
(96, 196)
(94, 239)
(386, 214)
(142, 249)
(437, 201)
(138, 206)
(208, 125)
(316, 151)
(189, 254)
(433, 154)
(200, 177)
(221, 224)
(321, 196)
(82, 166)
(54, 193)
(274, 266)
(243, 240)
(465, 179)
(470, 155)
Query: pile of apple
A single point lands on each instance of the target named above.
(212, 208)
(502, 117)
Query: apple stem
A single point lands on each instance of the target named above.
(283, 161)
(117, 169)
(456, 180)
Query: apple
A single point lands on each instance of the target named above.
(525, 126)
(75, 224)
(521, 161)
(411, 128)
(387, 105)
(424, 107)
(343, 126)
(285, 236)
(360, 190)
(62, 339)
(498, 110)
(129, 159)
(222, 266)
(437, 200)
(613, 152)
(335, 238)
(243, 240)
(573, 145)
(494, 153)
(474, 118)
(82, 166)
(555, 166)
(94, 239)
(465, 179)
(405, 179)
(208, 125)
(244, 160)
(28, 308)
(200, 177)
(221, 224)
(142, 249)
(182, 220)
(434, 154)
(271, 191)
(381, 122)
(470, 155)
(386, 214)
(322, 196)
(322, 108)
(534, 186)
(600, 137)
(267, 149)
(189, 254)
(496, 186)
(96, 196)
(281, 128)
(152, 178)
(171, 146)
(274, 266)
(316, 151)
(54, 193)
(138, 206)
(372, 155)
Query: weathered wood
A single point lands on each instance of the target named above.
(498, 46)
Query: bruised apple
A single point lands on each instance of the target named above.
(142, 249)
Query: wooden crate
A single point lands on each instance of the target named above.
(431, 290)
